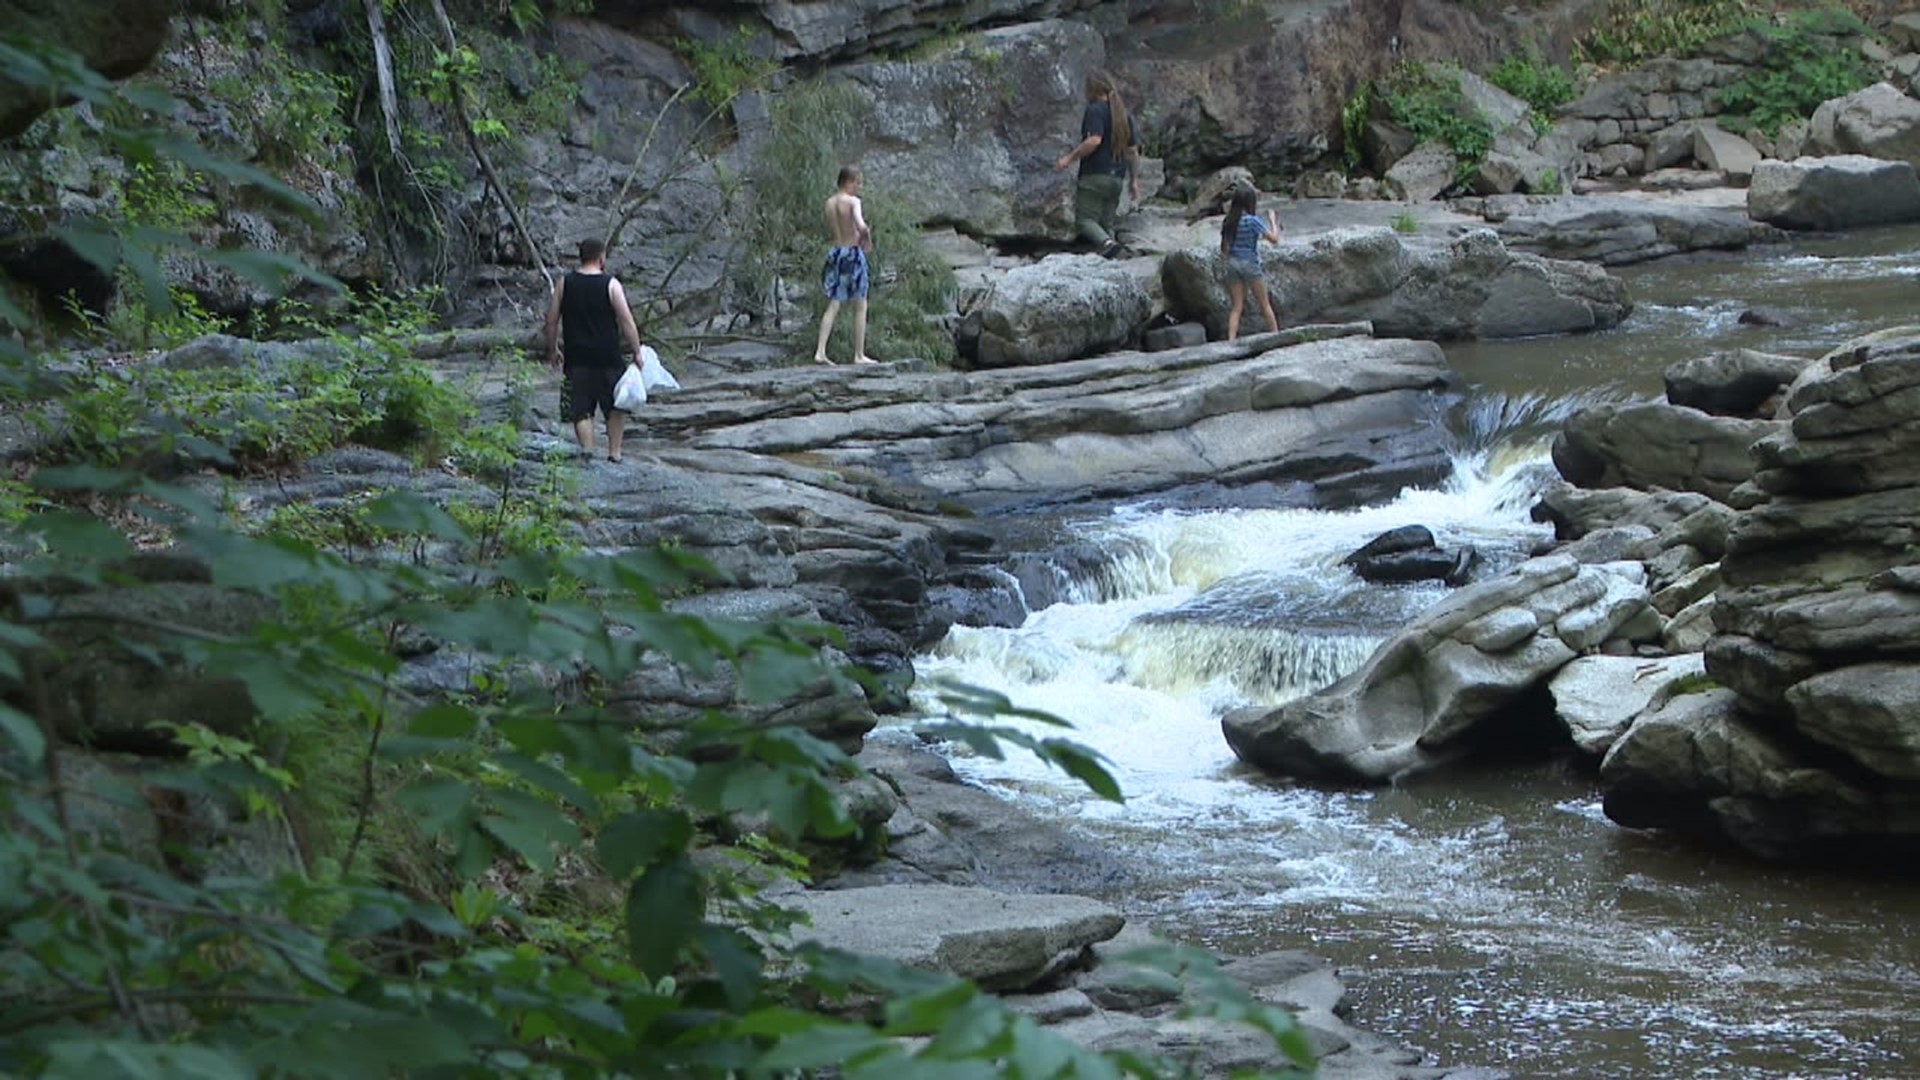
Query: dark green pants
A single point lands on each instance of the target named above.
(1095, 203)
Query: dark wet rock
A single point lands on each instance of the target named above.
(113, 682)
(1765, 316)
(1733, 382)
(1417, 700)
(1177, 336)
(1409, 553)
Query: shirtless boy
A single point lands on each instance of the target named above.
(844, 277)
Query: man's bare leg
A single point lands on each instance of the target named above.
(616, 426)
(826, 329)
(860, 334)
(583, 434)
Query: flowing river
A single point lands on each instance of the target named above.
(1493, 916)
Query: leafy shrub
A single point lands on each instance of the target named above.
(725, 67)
(1800, 68)
(366, 388)
(1426, 100)
(1544, 86)
(1353, 125)
(1631, 31)
(1405, 222)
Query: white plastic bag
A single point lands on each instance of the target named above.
(654, 373)
(631, 391)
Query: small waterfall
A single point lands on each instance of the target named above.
(1263, 665)
(1184, 614)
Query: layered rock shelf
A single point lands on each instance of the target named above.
(1327, 407)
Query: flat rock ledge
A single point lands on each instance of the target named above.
(1326, 406)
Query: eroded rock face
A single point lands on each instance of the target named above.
(1810, 748)
(1419, 698)
(1834, 192)
(969, 136)
(1657, 445)
(1470, 287)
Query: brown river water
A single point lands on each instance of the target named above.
(1494, 917)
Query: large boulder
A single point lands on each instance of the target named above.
(1425, 172)
(1061, 308)
(970, 135)
(1731, 382)
(1834, 192)
(1003, 941)
(1422, 696)
(1656, 445)
(1879, 122)
(1469, 287)
(1810, 748)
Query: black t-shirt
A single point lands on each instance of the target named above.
(1098, 120)
(589, 330)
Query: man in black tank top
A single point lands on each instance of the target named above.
(585, 322)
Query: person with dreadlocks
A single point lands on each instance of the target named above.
(1109, 163)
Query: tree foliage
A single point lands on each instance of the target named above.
(129, 955)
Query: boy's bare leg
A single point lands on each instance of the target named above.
(860, 334)
(616, 426)
(826, 329)
(583, 433)
(1238, 291)
(1266, 306)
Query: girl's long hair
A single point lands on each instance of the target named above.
(1098, 83)
(1245, 201)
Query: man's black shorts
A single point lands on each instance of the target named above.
(587, 389)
